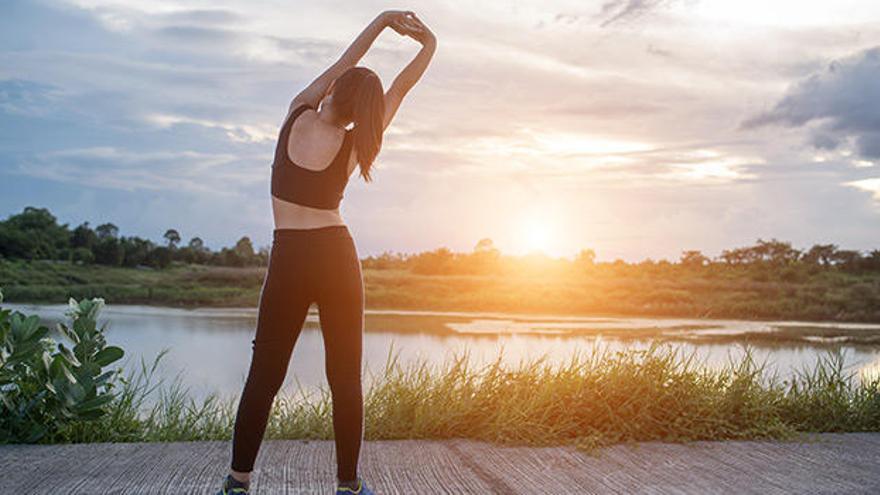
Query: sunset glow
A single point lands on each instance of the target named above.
(672, 125)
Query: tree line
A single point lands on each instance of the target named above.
(36, 234)
(765, 256)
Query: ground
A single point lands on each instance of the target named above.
(825, 463)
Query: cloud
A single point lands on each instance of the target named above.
(838, 103)
(618, 10)
(117, 168)
(870, 185)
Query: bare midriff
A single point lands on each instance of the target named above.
(293, 216)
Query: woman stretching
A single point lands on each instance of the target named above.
(313, 257)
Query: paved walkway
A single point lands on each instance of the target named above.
(829, 463)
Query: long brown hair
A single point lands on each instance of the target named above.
(358, 97)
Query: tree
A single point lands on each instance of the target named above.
(585, 258)
(196, 244)
(848, 259)
(107, 231)
(438, 261)
(136, 251)
(34, 234)
(693, 259)
(484, 245)
(160, 257)
(172, 237)
(108, 251)
(83, 237)
(778, 252)
(821, 254)
(244, 248)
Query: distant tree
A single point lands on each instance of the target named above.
(436, 262)
(778, 252)
(136, 251)
(821, 254)
(244, 249)
(172, 237)
(82, 256)
(108, 251)
(83, 237)
(107, 231)
(736, 256)
(847, 259)
(693, 259)
(34, 234)
(872, 261)
(196, 244)
(484, 245)
(585, 258)
(160, 257)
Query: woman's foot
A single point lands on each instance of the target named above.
(232, 486)
(357, 487)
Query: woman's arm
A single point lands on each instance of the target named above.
(410, 74)
(315, 91)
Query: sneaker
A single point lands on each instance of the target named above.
(361, 489)
(232, 486)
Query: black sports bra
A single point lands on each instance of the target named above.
(315, 188)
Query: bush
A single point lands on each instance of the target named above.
(44, 385)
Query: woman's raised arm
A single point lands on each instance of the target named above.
(410, 74)
(315, 91)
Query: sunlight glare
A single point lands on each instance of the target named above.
(537, 234)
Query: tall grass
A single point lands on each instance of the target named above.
(590, 400)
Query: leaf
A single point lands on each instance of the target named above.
(68, 354)
(94, 403)
(58, 369)
(109, 355)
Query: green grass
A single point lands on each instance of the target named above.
(591, 400)
(628, 290)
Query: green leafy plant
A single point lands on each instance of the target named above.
(47, 384)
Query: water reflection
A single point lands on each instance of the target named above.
(209, 349)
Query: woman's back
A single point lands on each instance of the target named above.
(313, 160)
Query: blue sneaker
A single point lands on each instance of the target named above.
(361, 489)
(232, 486)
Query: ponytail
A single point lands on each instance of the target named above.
(359, 98)
(369, 119)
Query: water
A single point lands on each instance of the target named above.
(209, 349)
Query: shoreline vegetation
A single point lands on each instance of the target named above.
(42, 261)
(58, 394)
(603, 290)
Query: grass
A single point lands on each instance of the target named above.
(629, 290)
(591, 400)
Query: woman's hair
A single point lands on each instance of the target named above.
(358, 97)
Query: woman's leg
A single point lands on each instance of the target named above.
(284, 304)
(341, 308)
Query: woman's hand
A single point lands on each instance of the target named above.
(418, 31)
(410, 25)
(392, 18)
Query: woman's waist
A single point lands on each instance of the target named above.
(293, 216)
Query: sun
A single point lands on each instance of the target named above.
(537, 234)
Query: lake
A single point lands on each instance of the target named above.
(209, 349)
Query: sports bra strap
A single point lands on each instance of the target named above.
(297, 112)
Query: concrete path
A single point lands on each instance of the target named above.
(829, 463)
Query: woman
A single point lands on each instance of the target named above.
(313, 257)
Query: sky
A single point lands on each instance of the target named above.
(636, 128)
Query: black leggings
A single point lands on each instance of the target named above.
(307, 266)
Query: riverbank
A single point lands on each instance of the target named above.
(824, 295)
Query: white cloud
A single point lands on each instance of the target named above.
(870, 185)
